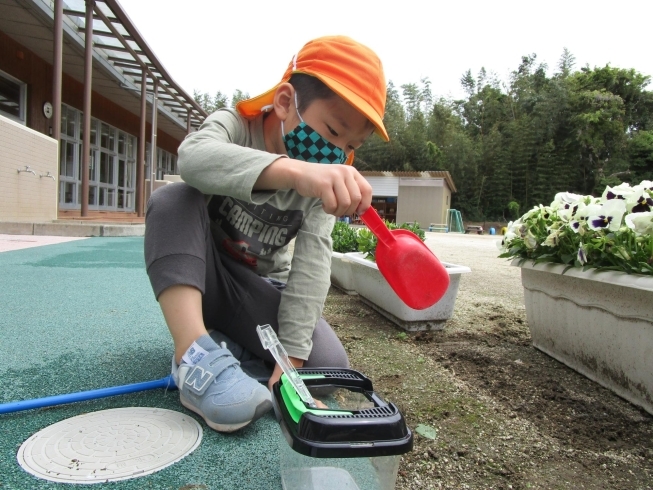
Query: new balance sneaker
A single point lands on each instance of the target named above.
(253, 366)
(212, 384)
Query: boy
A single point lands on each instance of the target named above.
(216, 246)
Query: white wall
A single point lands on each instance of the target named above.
(25, 196)
(384, 186)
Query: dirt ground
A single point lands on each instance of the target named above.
(506, 416)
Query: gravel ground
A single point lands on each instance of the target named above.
(504, 414)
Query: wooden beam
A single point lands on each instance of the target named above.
(57, 67)
(140, 157)
(88, 90)
(122, 49)
(109, 33)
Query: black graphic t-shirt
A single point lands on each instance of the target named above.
(223, 160)
(253, 230)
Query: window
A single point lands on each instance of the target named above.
(112, 165)
(166, 163)
(13, 98)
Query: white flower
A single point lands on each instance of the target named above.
(516, 229)
(646, 184)
(639, 201)
(621, 191)
(513, 226)
(641, 223)
(566, 214)
(619, 224)
(621, 252)
(530, 241)
(608, 216)
(579, 219)
(537, 212)
(555, 225)
(511, 233)
(624, 186)
(565, 200)
(552, 239)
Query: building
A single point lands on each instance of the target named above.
(402, 197)
(117, 114)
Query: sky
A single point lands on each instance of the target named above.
(210, 45)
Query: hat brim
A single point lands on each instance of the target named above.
(252, 107)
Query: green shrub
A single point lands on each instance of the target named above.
(513, 209)
(415, 229)
(344, 238)
(367, 241)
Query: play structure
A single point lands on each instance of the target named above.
(454, 223)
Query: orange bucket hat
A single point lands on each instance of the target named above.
(351, 70)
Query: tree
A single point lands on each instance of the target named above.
(518, 142)
(566, 63)
(204, 100)
(238, 96)
(376, 154)
(640, 157)
(219, 100)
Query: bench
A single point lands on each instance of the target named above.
(474, 229)
(438, 227)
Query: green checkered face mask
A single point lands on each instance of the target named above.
(306, 144)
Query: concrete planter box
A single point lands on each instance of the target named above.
(375, 291)
(342, 275)
(598, 323)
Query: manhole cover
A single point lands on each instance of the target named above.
(110, 445)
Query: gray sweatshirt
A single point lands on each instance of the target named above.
(223, 160)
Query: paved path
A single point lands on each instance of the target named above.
(19, 242)
(81, 315)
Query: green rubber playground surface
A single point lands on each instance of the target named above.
(81, 315)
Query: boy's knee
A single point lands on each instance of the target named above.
(174, 196)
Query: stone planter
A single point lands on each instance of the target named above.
(341, 273)
(375, 291)
(598, 323)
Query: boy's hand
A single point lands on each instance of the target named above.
(342, 189)
(276, 374)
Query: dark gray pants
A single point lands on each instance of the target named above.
(179, 249)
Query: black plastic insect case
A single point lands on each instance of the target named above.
(374, 428)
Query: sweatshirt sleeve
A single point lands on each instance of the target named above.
(216, 160)
(303, 298)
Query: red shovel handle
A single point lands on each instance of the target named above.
(378, 227)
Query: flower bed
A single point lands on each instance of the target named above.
(588, 289)
(376, 291)
(354, 270)
(599, 323)
(611, 232)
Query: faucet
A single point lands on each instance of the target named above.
(48, 176)
(27, 169)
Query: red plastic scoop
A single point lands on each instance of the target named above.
(411, 269)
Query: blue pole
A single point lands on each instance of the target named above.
(50, 401)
